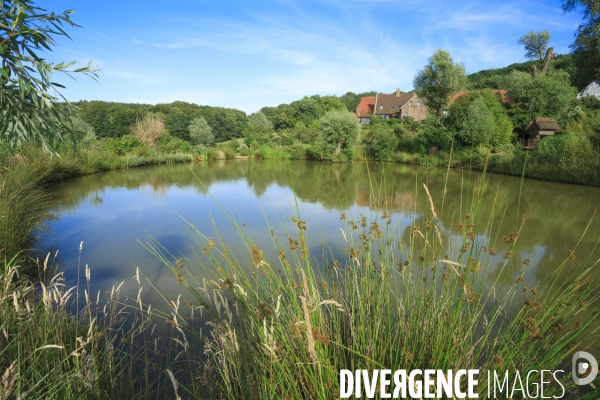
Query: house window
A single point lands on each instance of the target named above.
(393, 107)
(410, 103)
(406, 113)
(419, 103)
(381, 107)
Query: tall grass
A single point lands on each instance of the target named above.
(285, 327)
(258, 327)
(22, 204)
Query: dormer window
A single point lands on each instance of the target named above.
(393, 107)
(410, 103)
(381, 107)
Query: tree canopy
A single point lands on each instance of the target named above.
(472, 122)
(339, 132)
(29, 99)
(535, 44)
(258, 131)
(201, 132)
(542, 96)
(587, 41)
(438, 80)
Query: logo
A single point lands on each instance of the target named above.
(582, 367)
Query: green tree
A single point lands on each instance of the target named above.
(259, 130)
(29, 99)
(587, 41)
(330, 103)
(201, 132)
(535, 44)
(338, 135)
(384, 143)
(479, 125)
(547, 95)
(307, 110)
(459, 110)
(439, 80)
(282, 116)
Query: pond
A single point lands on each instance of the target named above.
(115, 213)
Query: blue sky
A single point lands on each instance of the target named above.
(250, 54)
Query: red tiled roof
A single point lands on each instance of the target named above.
(501, 91)
(365, 107)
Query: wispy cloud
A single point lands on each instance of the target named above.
(311, 55)
(251, 54)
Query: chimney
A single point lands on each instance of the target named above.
(397, 92)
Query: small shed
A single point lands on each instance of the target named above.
(542, 126)
(536, 130)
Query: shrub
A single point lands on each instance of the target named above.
(228, 152)
(123, 145)
(384, 143)
(275, 153)
(201, 150)
(409, 142)
(338, 134)
(479, 126)
(406, 158)
(434, 136)
(148, 129)
(500, 127)
(201, 132)
(258, 131)
(286, 137)
(170, 144)
(297, 151)
(568, 150)
(215, 154)
(307, 134)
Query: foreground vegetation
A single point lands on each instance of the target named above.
(257, 327)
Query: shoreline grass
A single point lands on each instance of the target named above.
(283, 328)
(279, 329)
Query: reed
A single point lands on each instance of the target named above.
(259, 327)
(285, 327)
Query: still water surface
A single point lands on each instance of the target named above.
(113, 212)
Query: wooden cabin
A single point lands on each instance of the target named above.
(537, 129)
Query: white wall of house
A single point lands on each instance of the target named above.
(593, 89)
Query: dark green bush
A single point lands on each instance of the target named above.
(297, 151)
(172, 144)
(409, 142)
(384, 143)
(433, 135)
(215, 154)
(122, 145)
(228, 152)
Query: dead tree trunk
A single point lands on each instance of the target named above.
(533, 70)
(546, 61)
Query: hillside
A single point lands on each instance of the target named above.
(492, 78)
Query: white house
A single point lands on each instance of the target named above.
(593, 89)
